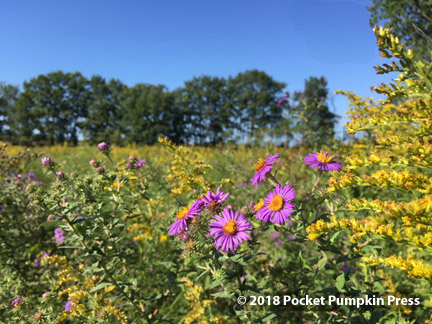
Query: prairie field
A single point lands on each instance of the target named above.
(236, 204)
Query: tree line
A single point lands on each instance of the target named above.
(60, 107)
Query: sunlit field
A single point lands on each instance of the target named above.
(312, 230)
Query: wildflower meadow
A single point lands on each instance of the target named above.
(322, 232)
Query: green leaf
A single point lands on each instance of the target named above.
(340, 282)
(100, 286)
(269, 317)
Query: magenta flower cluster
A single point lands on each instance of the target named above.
(231, 228)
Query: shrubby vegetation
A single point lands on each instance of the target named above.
(178, 234)
(190, 234)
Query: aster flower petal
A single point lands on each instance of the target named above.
(277, 206)
(230, 230)
(262, 167)
(183, 217)
(324, 161)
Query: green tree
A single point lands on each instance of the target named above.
(314, 121)
(146, 112)
(411, 20)
(51, 108)
(254, 97)
(205, 105)
(103, 122)
(8, 96)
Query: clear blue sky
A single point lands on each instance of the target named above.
(169, 42)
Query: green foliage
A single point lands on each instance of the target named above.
(8, 96)
(103, 122)
(411, 20)
(146, 113)
(49, 109)
(60, 107)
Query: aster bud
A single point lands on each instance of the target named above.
(100, 170)
(94, 163)
(184, 236)
(60, 175)
(104, 147)
(47, 162)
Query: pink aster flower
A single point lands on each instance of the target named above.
(213, 200)
(277, 205)
(183, 217)
(104, 147)
(323, 161)
(262, 167)
(230, 230)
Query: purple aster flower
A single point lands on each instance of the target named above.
(346, 267)
(277, 243)
(47, 162)
(46, 254)
(277, 205)
(262, 167)
(230, 230)
(68, 305)
(36, 262)
(5, 170)
(7, 179)
(151, 270)
(31, 176)
(16, 302)
(40, 183)
(1, 208)
(140, 164)
(213, 200)
(183, 216)
(281, 100)
(104, 147)
(323, 161)
(58, 235)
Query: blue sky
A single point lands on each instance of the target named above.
(169, 42)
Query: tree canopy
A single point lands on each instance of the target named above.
(62, 107)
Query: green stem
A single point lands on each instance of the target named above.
(317, 181)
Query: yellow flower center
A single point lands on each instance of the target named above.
(324, 158)
(259, 205)
(277, 203)
(260, 165)
(182, 213)
(230, 228)
(213, 205)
